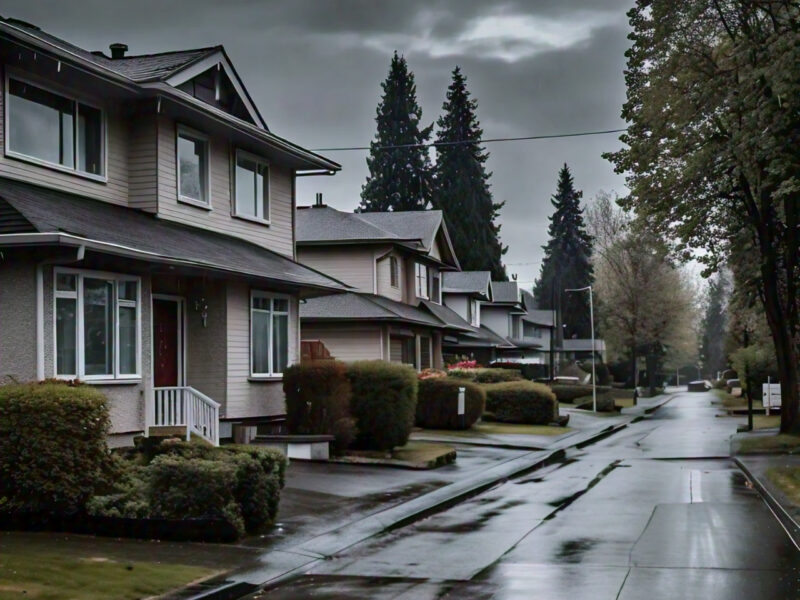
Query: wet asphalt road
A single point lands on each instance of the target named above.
(657, 511)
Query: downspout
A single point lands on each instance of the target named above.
(40, 307)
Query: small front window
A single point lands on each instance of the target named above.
(252, 187)
(421, 275)
(269, 335)
(394, 272)
(192, 167)
(54, 129)
(474, 313)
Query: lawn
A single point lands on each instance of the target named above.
(788, 480)
(414, 455)
(770, 443)
(26, 572)
(766, 422)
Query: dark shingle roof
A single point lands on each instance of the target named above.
(539, 317)
(467, 282)
(365, 307)
(325, 224)
(448, 316)
(417, 224)
(505, 291)
(483, 338)
(51, 211)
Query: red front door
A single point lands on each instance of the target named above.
(166, 342)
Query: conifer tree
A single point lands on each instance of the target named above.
(714, 325)
(462, 184)
(567, 261)
(399, 177)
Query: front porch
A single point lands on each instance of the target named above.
(182, 411)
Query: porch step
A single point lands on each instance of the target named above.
(177, 431)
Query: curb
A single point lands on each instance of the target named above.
(233, 587)
(790, 526)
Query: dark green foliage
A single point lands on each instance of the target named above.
(483, 375)
(714, 325)
(528, 371)
(399, 178)
(318, 401)
(567, 261)
(193, 488)
(569, 392)
(256, 492)
(53, 453)
(273, 462)
(462, 184)
(521, 402)
(383, 404)
(601, 370)
(128, 499)
(437, 403)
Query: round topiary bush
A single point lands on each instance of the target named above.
(383, 404)
(437, 404)
(53, 452)
(521, 402)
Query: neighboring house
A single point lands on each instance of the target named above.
(147, 234)
(395, 261)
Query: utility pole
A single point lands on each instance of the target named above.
(594, 348)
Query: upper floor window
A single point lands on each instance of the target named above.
(474, 313)
(54, 129)
(192, 167)
(394, 272)
(251, 187)
(269, 334)
(421, 276)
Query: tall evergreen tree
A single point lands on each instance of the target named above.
(399, 177)
(567, 261)
(462, 184)
(715, 320)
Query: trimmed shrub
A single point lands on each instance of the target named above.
(529, 371)
(569, 392)
(521, 402)
(318, 401)
(383, 403)
(483, 375)
(181, 488)
(601, 370)
(605, 402)
(53, 452)
(129, 498)
(437, 404)
(256, 492)
(272, 461)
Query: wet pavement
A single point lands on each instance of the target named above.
(656, 511)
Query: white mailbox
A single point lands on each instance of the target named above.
(771, 395)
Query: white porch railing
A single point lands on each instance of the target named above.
(185, 407)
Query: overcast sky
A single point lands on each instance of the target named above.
(314, 68)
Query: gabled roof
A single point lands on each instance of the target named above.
(468, 282)
(365, 307)
(448, 316)
(539, 316)
(505, 292)
(60, 218)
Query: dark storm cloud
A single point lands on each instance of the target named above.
(315, 67)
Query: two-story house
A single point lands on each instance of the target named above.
(395, 262)
(147, 234)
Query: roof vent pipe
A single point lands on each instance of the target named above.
(118, 50)
(319, 203)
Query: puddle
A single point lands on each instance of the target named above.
(573, 550)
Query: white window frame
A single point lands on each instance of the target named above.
(394, 272)
(420, 278)
(101, 177)
(259, 218)
(188, 132)
(270, 358)
(77, 295)
(475, 315)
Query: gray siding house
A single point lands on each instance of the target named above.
(395, 262)
(147, 223)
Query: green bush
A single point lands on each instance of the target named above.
(755, 364)
(129, 497)
(256, 492)
(318, 401)
(272, 461)
(193, 488)
(521, 402)
(437, 403)
(601, 370)
(383, 403)
(529, 371)
(483, 375)
(53, 452)
(569, 392)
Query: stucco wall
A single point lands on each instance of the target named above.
(17, 317)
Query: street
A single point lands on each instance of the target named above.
(655, 511)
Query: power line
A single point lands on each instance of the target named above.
(484, 141)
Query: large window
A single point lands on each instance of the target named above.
(251, 187)
(192, 167)
(96, 325)
(54, 129)
(421, 276)
(269, 334)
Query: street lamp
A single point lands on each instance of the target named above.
(594, 353)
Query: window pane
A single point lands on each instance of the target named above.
(40, 123)
(127, 290)
(260, 342)
(66, 282)
(98, 326)
(192, 159)
(262, 190)
(66, 324)
(127, 340)
(280, 343)
(280, 305)
(245, 187)
(90, 140)
(260, 303)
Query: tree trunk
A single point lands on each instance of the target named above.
(634, 374)
(651, 361)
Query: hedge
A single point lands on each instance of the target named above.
(383, 403)
(53, 452)
(521, 402)
(482, 375)
(318, 401)
(569, 392)
(529, 371)
(437, 404)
